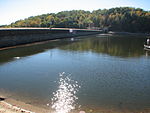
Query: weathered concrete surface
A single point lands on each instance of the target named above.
(17, 36)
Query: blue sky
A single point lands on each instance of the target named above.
(13, 10)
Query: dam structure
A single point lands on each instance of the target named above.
(19, 36)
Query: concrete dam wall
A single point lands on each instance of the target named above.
(18, 36)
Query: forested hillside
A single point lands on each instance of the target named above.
(116, 19)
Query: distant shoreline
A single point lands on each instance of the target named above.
(128, 33)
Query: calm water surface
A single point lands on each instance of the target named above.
(113, 72)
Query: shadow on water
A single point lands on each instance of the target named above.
(14, 53)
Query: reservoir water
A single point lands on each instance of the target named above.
(113, 72)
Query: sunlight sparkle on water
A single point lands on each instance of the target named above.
(64, 98)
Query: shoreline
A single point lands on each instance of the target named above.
(9, 105)
(26, 45)
(9, 108)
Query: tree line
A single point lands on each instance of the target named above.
(116, 19)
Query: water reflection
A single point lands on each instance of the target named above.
(64, 98)
(113, 45)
